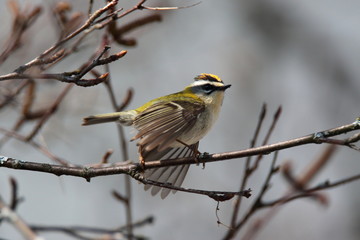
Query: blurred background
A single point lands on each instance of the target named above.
(302, 55)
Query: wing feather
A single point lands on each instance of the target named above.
(159, 127)
(157, 136)
(162, 123)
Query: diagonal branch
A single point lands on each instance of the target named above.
(309, 192)
(8, 214)
(74, 76)
(22, 20)
(245, 176)
(86, 25)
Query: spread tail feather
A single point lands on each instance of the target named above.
(173, 175)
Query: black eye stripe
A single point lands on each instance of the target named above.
(208, 87)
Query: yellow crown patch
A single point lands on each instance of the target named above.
(208, 77)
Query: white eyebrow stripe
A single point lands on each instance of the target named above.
(203, 82)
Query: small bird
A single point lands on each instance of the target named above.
(171, 126)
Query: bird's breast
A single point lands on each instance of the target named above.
(204, 122)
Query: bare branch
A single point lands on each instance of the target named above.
(77, 230)
(14, 194)
(49, 112)
(118, 33)
(243, 183)
(267, 137)
(86, 25)
(169, 8)
(9, 215)
(106, 156)
(8, 98)
(38, 146)
(74, 76)
(298, 186)
(309, 192)
(22, 21)
(205, 158)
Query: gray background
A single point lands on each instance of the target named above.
(303, 55)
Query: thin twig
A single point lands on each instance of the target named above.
(118, 196)
(91, 3)
(118, 32)
(8, 98)
(169, 8)
(22, 21)
(126, 101)
(106, 156)
(258, 201)
(9, 215)
(248, 169)
(125, 153)
(218, 196)
(51, 110)
(298, 184)
(74, 76)
(14, 194)
(37, 146)
(267, 137)
(86, 25)
(309, 192)
(243, 183)
(76, 230)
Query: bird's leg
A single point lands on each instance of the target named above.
(203, 155)
(197, 154)
(141, 158)
(194, 149)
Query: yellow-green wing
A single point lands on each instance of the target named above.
(162, 123)
(158, 128)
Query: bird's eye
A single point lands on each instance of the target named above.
(208, 88)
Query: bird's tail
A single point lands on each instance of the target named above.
(125, 118)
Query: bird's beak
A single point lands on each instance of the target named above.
(225, 87)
